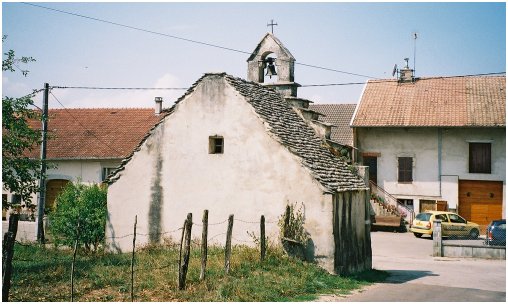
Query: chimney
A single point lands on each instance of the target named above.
(158, 105)
(406, 74)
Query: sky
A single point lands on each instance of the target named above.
(366, 39)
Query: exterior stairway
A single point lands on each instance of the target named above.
(388, 211)
(386, 217)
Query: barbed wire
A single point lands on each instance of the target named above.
(212, 224)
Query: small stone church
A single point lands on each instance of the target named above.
(246, 148)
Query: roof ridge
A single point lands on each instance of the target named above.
(287, 127)
(104, 109)
(437, 77)
(298, 137)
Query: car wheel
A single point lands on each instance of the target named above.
(418, 235)
(474, 234)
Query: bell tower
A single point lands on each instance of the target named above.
(272, 59)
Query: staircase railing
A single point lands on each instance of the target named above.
(389, 199)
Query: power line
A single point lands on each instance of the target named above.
(303, 86)
(32, 95)
(332, 84)
(114, 88)
(395, 80)
(184, 39)
(84, 128)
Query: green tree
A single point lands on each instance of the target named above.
(19, 172)
(83, 206)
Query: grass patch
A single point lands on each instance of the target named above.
(43, 274)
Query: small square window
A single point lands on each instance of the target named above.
(216, 145)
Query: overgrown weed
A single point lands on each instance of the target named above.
(43, 274)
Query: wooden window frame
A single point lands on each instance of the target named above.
(405, 170)
(480, 157)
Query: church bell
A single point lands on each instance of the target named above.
(270, 69)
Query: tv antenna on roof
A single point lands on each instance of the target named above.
(415, 36)
(395, 70)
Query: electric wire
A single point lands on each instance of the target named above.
(114, 88)
(84, 128)
(312, 85)
(225, 48)
(186, 39)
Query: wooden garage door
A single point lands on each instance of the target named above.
(53, 188)
(481, 201)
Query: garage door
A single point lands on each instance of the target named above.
(481, 201)
(53, 188)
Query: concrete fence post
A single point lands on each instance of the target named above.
(437, 239)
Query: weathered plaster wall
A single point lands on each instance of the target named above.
(422, 144)
(255, 176)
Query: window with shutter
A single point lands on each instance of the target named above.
(479, 158)
(405, 169)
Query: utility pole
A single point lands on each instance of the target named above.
(42, 180)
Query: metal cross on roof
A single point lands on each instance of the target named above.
(271, 24)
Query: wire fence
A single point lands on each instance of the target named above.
(135, 269)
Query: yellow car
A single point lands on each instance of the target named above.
(452, 224)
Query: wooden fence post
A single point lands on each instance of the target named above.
(287, 216)
(180, 257)
(132, 259)
(74, 262)
(262, 238)
(204, 246)
(8, 254)
(186, 252)
(227, 262)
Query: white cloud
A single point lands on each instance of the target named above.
(14, 89)
(77, 98)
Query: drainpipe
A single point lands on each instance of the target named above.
(439, 155)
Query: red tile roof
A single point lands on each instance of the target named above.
(339, 115)
(95, 133)
(442, 101)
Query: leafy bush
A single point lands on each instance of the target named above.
(82, 206)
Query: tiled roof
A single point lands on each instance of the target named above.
(339, 115)
(95, 133)
(473, 101)
(291, 131)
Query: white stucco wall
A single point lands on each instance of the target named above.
(422, 145)
(87, 171)
(255, 176)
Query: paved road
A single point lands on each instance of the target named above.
(417, 276)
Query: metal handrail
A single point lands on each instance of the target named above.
(374, 188)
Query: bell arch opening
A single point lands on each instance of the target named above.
(268, 68)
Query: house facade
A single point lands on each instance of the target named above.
(437, 143)
(84, 145)
(241, 147)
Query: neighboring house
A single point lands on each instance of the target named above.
(437, 143)
(85, 145)
(241, 147)
(339, 117)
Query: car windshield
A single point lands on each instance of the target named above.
(423, 216)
